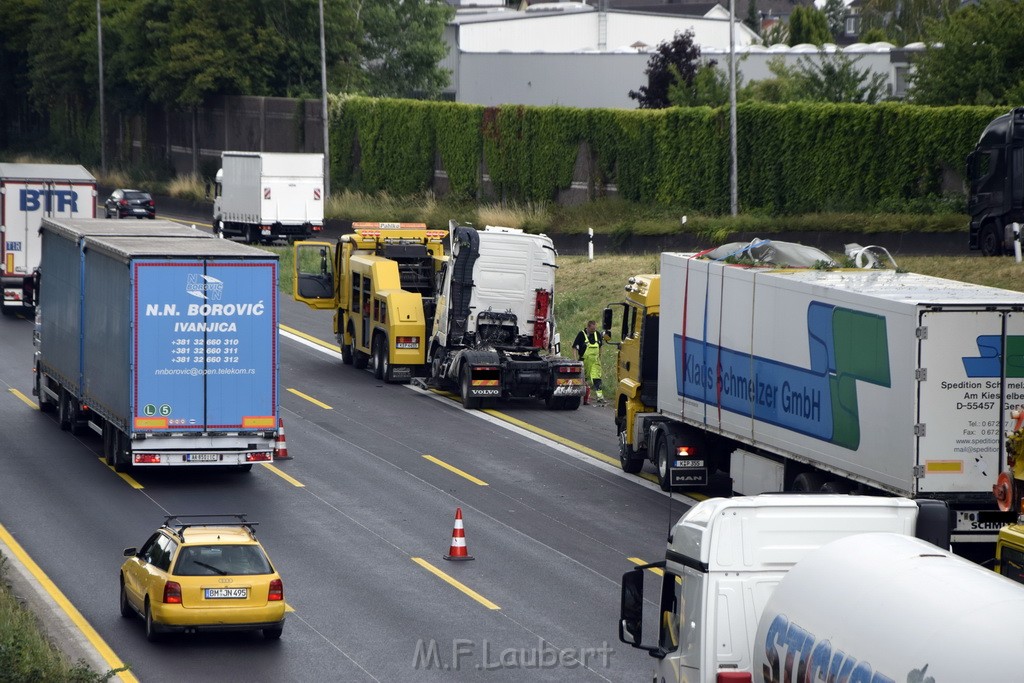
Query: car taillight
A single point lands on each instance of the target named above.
(123, 202)
(149, 203)
(276, 591)
(172, 593)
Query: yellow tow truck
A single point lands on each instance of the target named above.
(380, 283)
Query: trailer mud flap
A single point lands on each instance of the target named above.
(688, 472)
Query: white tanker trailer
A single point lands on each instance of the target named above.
(809, 589)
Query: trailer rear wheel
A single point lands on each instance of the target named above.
(664, 480)
(252, 235)
(468, 402)
(808, 482)
(836, 486)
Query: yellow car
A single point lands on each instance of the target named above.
(193, 576)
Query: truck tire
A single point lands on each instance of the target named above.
(990, 240)
(468, 402)
(359, 359)
(64, 411)
(46, 405)
(572, 402)
(808, 482)
(378, 356)
(663, 457)
(629, 463)
(252, 235)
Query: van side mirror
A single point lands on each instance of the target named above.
(631, 612)
(131, 552)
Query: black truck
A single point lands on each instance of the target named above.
(995, 170)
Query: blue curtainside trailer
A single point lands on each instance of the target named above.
(166, 345)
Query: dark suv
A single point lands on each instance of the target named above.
(125, 203)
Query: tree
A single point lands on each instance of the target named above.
(753, 20)
(980, 61)
(905, 21)
(808, 25)
(710, 87)
(403, 47)
(828, 78)
(674, 61)
(835, 78)
(835, 15)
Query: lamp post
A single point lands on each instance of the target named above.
(99, 47)
(734, 202)
(323, 106)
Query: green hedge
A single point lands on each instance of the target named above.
(793, 158)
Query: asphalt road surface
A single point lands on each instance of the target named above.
(357, 524)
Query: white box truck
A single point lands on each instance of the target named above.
(858, 589)
(820, 379)
(265, 196)
(27, 193)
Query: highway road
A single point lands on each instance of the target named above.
(357, 523)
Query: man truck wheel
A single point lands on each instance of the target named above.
(630, 465)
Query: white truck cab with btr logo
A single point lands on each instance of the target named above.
(28, 192)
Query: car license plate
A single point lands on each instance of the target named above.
(227, 593)
(202, 457)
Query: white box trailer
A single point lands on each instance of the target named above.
(265, 196)
(838, 379)
(28, 192)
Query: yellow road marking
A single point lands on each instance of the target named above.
(94, 638)
(23, 397)
(131, 482)
(291, 480)
(310, 338)
(310, 399)
(183, 222)
(456, 470)
(452, 582)
(638, 561)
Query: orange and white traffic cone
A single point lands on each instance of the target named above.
(457, 550)
(280, 445)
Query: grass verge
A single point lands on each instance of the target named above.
(25, 652)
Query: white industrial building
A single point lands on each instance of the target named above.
(572, 54)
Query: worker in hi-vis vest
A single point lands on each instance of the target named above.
(588, 349)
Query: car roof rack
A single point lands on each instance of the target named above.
(177, 524)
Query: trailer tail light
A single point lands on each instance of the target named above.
(147, 459)
(570, 369)
(258, 457)
(172, 593)
(541, 308)
(686, 451)
(276, 591)
(317, 228)
(734, 677)
(407, 342)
